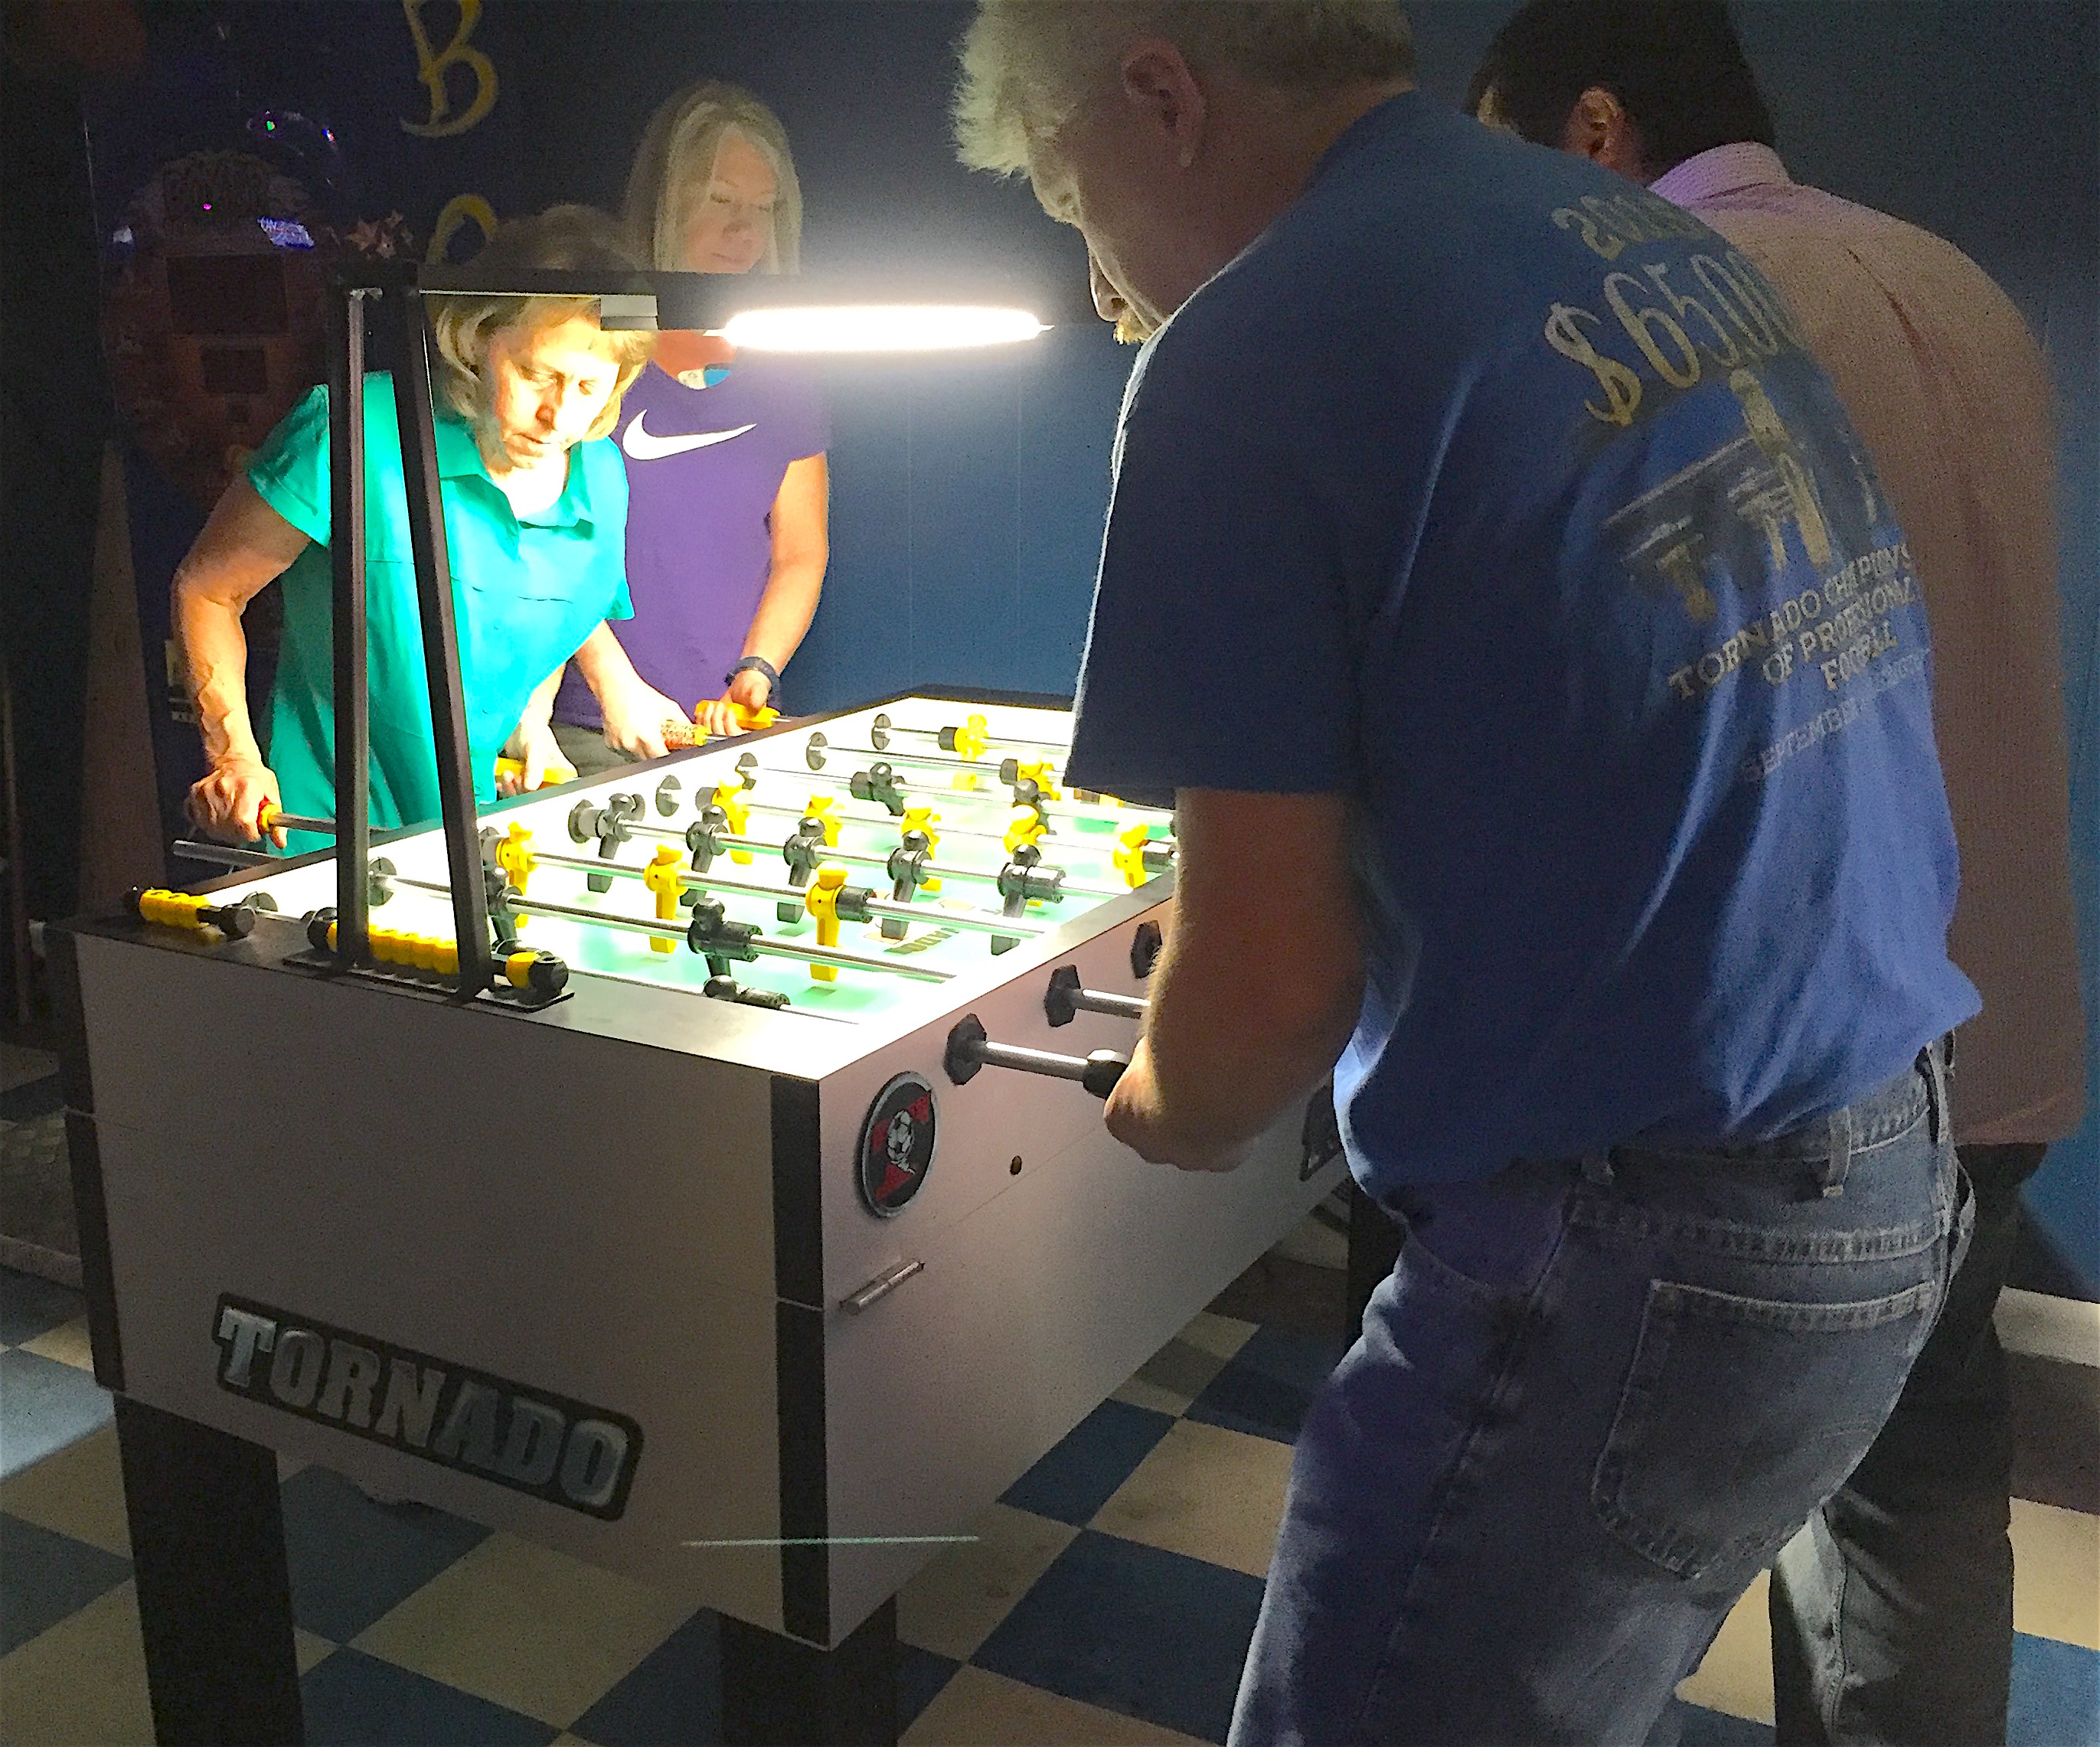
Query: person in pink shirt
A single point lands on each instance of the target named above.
(1892, 1611)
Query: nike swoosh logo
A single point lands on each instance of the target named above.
(647, 446)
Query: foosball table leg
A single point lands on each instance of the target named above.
(214, 1593)
(1375, 1241)
(778, 1691)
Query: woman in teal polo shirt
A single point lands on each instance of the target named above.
(536, 519)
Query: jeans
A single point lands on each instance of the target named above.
(1592, 1401)
(1892, 1611)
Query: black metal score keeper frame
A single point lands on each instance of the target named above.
(401, 294)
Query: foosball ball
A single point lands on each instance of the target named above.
(749, 1229)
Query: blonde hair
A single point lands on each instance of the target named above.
(564, 239)
(675, 161)
(1028, 66)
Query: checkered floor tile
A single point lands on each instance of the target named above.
(1107, 1598)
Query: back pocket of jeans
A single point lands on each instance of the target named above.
(1742, 1415)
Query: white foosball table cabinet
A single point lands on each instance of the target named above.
(755, 1303)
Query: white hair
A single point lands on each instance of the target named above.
(1029, 65)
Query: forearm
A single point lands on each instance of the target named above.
(214, 656)
(603, 664)
(540, 706)
(1235, 1040)
(785, 611)
(1261, 981)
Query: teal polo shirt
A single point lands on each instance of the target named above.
(526, 592)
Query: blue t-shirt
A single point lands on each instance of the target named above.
(1510, 488)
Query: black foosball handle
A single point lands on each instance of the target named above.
(968, 1050)
(1065, 999)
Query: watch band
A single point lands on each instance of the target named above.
(755, 665)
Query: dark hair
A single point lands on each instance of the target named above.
(1676, 66)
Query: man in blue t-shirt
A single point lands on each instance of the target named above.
(1543, 686)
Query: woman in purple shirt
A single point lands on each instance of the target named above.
(726, 531)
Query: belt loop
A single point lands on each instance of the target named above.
(1831, 1178)
(1935, 1076)
(1597, 1170)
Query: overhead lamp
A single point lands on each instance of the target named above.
(784, 313)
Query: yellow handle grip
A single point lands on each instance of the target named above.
(550, 777)
(747, 719)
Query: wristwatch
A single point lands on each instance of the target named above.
(755, 664)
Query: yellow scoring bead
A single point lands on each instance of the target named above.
(1130, 859)
(970, 739)
(923, 818)
(820, 808)
(661, 877)
(1026, 826)
(821, 901)
(729, 798)
(167, 909)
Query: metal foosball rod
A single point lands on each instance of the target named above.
(669, 795)
(817, 750)
(275, 817)
(661, 930)
(870, 782)
(875, 907)
(936, 870)
(784, 1005)
(969, 737)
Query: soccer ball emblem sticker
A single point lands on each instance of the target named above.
(896, 1145)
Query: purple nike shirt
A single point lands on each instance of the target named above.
(704, 465)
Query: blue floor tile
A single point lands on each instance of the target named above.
(45, 1576)
(674, 1694)
(49, 1406)
(36, 1097)
(920, 1675)
(30, 1307)
(1078, 1477)
(352, 1559)
(2056, 1695)
(356, 1701)
(1269, 1384)
(1698, 1726)
(1134, 1629)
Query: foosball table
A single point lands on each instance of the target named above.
(749, 1234)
